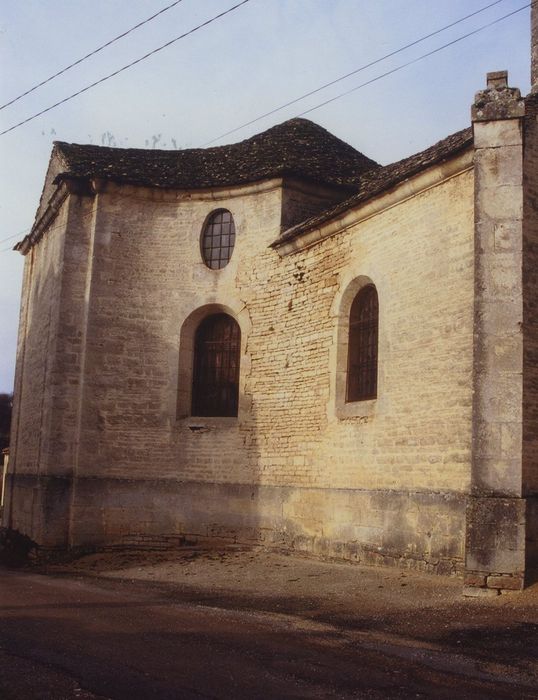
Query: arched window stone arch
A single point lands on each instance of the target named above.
(361, 381)
(215, 380)
(182, 381)
(345, 404)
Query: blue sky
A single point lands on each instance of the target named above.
(256, 58)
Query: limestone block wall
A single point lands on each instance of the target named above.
(50, 349)
(39, 324)
(122, 286)
(389, 480)
(18, 506)
(415, 435)
(148, 278)
(501, 534)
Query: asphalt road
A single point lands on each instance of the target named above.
(64, 637)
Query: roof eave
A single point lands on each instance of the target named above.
(284, 174)
(355, 209)
(64, 186)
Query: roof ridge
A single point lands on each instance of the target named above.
(297, 147)
(276, 128)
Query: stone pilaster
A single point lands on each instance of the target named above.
(495, 543)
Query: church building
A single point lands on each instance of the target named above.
(280, 342)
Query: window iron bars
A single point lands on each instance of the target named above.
(363, 346)
(215, 388)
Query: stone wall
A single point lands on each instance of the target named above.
(412, 529)
(288, 463)
(38, 331)
(500, 531)
(381, 481)
(50, 357)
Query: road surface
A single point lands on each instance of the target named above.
(68, 637)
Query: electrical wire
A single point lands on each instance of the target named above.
(415, 60)
(375, 79)
(88, 55)
(50, 229)
(129, 65)
(15, 235)
(353, 72)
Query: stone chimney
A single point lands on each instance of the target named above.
(534, 47)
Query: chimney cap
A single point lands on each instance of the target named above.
(497, 101)
(497, 79)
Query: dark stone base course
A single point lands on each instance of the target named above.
(15, 548)
(38, 507)
(501, 542)
(416, 530)
(500, 582)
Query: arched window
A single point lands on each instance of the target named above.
(215, 386)
(218, 239)
(362, 347)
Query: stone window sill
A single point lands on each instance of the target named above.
(356, 409)
(204, 424)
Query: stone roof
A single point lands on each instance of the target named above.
(297, 148)
(379, 180)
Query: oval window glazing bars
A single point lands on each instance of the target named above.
(218, 239)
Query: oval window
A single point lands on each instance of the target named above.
(218, 239)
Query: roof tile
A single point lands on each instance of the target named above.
(297, 147)
(378, 180)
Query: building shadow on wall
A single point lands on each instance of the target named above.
(218, 456)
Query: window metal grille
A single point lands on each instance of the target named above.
(362, 348)
(218, 239)
(215, 388)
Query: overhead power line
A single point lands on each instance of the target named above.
(415, 60)
(129, 65)
(353, 72)
(88, 55)
(6, 250)
(57, 227)
(322, 104)
(50, 229)
(15, 235)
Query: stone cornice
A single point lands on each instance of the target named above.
(103, 185)
(52, 209)
(66, 186)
